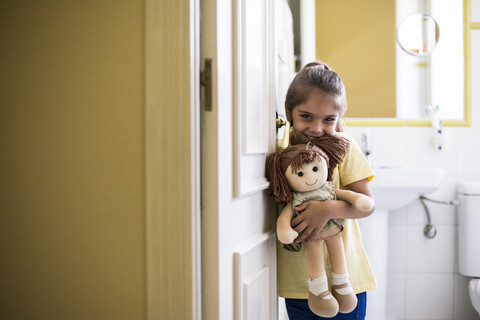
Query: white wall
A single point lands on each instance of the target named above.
(423, 277)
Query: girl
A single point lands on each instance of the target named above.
(315, 103)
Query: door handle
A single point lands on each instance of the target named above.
(285, 140)
(280, 123)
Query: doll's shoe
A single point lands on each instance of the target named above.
(346, 301)
(327, 308)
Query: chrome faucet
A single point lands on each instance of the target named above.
(367, 145)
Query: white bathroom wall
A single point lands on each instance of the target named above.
(423, 278)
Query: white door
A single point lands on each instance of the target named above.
(238, 217)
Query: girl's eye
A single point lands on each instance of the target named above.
(315, 169)
(306, 116)
(300, 174)
(329, 119)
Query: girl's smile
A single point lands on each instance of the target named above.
(315, 117)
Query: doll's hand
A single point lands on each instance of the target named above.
(310, 222)
(286, 236)
(364, 203)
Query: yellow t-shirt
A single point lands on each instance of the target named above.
(292, 267)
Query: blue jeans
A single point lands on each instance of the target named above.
(298, 309)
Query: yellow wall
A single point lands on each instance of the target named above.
(72, 152)
(357, 38)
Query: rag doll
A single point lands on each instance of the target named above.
(301, 173)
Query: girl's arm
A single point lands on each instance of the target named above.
(316, 214)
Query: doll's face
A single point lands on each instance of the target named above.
(310, 177)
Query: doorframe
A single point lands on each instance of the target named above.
(172, 184)
(195, 158)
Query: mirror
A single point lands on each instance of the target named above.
(418, 34)
(391, 77)
(433, 77)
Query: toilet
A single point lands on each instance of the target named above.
(468, 196)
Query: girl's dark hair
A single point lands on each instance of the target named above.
(316, 76)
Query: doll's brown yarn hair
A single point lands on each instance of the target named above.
(331, 148)
(335, 147)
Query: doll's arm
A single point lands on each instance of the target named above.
(285, 232)
(359, 200)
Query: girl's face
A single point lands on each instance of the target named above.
(315, 117)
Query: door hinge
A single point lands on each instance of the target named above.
(206, 83)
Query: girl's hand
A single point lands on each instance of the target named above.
(316, 214)
(310, 222)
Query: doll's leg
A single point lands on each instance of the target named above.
(341, 287)
(320, 300)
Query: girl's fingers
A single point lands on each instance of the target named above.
(296, 221)
(302, 206)
(303, 235)
(300, 227)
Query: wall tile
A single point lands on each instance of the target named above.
(356, 133)
(475, 11)
(475, 107)
(416, 214)
(389, 145)
(463, 308)
(393, 143)
(398, 216)
(421, 152)
(468, 151)
(475, 52)
(431, 255)
(475, 72)
(429, 296)
(397, 245)
(396, 296)
(440, 214)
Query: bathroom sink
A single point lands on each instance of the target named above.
(394, 188)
